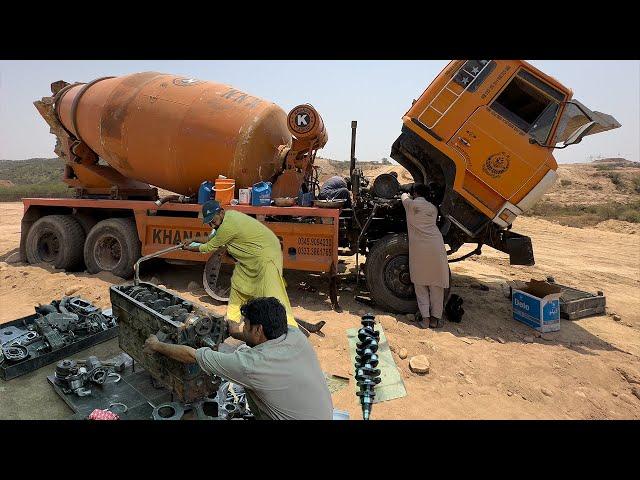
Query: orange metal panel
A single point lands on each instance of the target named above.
(315, 246)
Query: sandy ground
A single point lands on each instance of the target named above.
(487, 367)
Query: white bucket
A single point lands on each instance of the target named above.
(244, 196)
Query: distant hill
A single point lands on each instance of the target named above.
(32, 171)
(34, 177)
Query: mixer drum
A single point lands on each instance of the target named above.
(174, 132)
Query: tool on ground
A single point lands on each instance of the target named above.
(367, 375)
(311, 327)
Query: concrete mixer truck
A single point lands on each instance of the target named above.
(483, 132)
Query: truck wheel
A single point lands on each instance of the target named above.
(112, 246)
(387, 273)
(86, 221)
(56, 239)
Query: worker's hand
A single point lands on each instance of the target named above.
(193, 247)
(150, 344)
(235, 330)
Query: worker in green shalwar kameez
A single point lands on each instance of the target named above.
(258, 271)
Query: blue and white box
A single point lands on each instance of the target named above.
(537, 305)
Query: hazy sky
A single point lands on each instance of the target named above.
(375, 93)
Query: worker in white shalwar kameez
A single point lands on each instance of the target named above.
(428, 264)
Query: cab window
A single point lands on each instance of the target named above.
(529, 104)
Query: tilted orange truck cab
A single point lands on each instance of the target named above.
(485, 130)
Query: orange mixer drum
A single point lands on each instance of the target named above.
(175, 132)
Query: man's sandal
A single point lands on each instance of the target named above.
(421, 322)
(435, 322)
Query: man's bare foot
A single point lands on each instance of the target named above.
(423, 324)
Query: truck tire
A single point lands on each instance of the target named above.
(86, 221)
(112, 246)
(57, 240)
(387, 274)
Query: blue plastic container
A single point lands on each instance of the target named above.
(305, 199)
(205, 192)
(261, 194)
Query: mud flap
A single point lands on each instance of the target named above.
(519, 248)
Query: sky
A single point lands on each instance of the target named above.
(375, 93)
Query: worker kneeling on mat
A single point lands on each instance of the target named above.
(280, 372)
(257, 250)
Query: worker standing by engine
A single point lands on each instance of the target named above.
(428, 265)
(258, 271)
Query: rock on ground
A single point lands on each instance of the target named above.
(403, 353)
(419, 364)
(72, 289)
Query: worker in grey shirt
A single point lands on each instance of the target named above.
(280, 372)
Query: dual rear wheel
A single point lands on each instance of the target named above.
(110, 245)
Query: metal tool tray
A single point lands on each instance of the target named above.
(575, 304)
(35, 361)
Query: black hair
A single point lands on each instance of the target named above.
(347, 180)
(268, 312)
(421, 190)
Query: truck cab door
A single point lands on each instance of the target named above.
(495, 141)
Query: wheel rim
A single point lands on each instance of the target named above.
(397, 278)
(107, 252)
(48, 246)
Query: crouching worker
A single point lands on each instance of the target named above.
(280, 372)
(336, 188)
(428, 264)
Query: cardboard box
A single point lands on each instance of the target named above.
(537, 304)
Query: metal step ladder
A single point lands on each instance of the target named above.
(467, 80)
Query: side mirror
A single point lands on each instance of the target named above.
(579, 134)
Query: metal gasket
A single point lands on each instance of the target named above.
(123, 408)
(168, 411)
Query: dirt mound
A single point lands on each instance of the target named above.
(328, 168)
(595, 183)
(618, 226)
